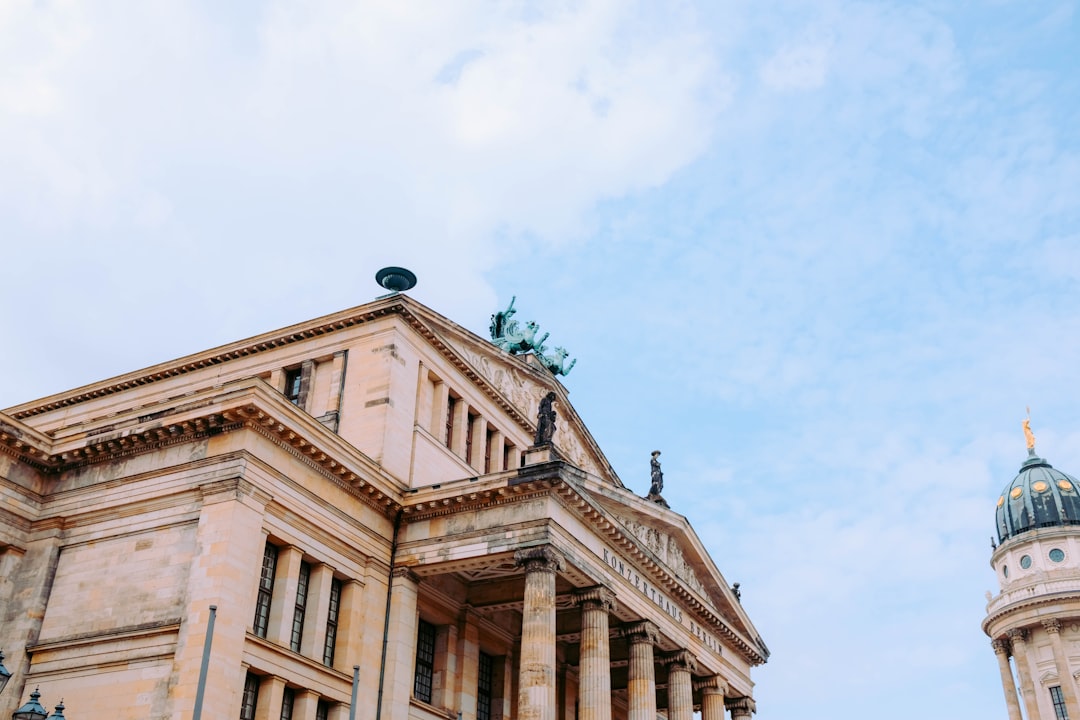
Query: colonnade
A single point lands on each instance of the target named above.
(537, 677)
(1016, 645)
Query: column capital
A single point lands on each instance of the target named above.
(543, 558)
(680, 659)
(405, 573)
(596, 597)
(1051, 625)
(641, 632)
(1001, 646)
(741, 706)
(1017, 635)
(714, 685)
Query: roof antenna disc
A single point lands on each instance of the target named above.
(395, 279)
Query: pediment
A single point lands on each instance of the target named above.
(521, 383)
(668, 539)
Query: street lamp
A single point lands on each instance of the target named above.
(4, 674)
(59, 714)
(31, 710)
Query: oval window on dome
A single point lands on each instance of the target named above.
(1025, 562)
(1039, 486)
(1001, 501)
(1005, 570)
(1016, 492)
(1057, 555)
(1065, 485)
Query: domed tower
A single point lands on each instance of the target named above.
(1035, 619)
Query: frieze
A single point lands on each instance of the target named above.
(667, 549)
(658, 598)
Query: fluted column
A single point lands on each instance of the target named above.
(712, 697)
(1001, 649)
(1065, 677)
(536, 674)
(641, 684)
(741, 708)
(1018, 638)
(680, 690)
(594, 691)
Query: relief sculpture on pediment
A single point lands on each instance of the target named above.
(666, 549)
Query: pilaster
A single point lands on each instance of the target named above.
(1068, 686)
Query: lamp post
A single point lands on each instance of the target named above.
(5, 675)
(31, 710)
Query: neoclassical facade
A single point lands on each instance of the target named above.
(1034, 622)
(363, 489)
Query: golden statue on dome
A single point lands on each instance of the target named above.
(1027, 432)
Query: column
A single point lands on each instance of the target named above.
(641, 685)
(1001, 649)
(712, 698)
(468, 653)
(594, 694)
(350, 626)
(1018, 637)
(268, 704)
(1065, 677)
(536, 675)
(741, 708)
(401, 644)
(313, 641)
(283, 603)
(680, 691)
(306, 705)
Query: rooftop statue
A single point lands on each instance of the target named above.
(1028, 434)
(502, 322)
(545, 420)
(657, 485)
(556, 361)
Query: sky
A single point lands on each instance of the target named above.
(822, 255)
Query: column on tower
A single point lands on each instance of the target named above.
(1018, 638)
(1065, 677)
(1001, 649)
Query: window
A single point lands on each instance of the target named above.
(251, 695)
(293, 381)
(287, 700)
(451, 406)
(301, 605)
(487, 450)
(425, 661)
(506, 456)
(484, 687)
(1059, 703)
(322, 710)
(331, 623)
(266, 591)
(470, 420)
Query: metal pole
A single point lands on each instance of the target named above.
(355, 688)
(197, 715)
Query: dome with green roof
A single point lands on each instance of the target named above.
(1038, 497)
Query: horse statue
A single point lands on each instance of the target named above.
(555, 361)
(522, 341)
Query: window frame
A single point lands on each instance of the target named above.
(260, 624)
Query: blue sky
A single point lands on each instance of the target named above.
(822, 255)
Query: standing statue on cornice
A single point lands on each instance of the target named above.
(545, 420)
(657, 485)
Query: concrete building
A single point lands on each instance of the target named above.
(1034, 622)
(362, 489)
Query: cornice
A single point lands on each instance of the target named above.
(216, 356)
(244, 404)
(562, 481)
(1033, 602)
